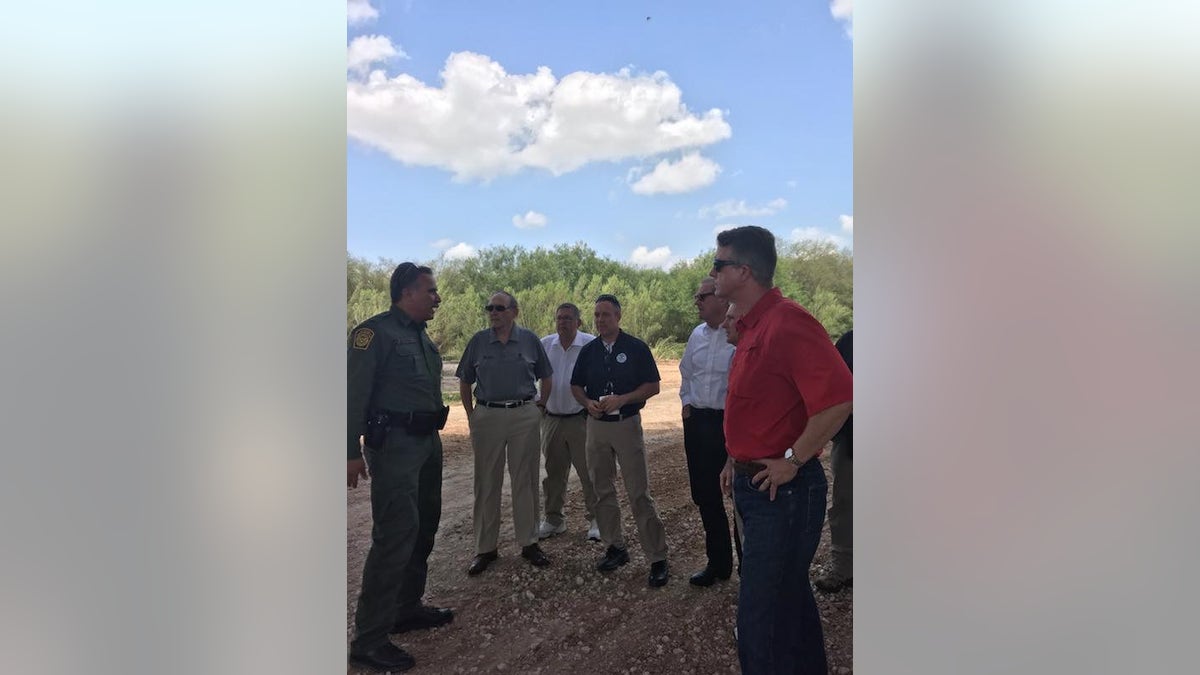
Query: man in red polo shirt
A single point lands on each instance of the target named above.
(788, 388)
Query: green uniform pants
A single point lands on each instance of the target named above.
(406, 506)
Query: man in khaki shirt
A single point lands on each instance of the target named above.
(503, 363)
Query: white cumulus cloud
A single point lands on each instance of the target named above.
(691, 172)
(483, 122)
(460, 251)
(847, 223)
(817, 234)
(739, 208)
(646, 258)
(367, 49)
(359, 12)
(843, 10)
(442, 244)
(531, 219)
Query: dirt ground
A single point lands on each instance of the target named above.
(569, 618)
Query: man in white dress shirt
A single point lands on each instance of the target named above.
(705, 378)
(564, 426)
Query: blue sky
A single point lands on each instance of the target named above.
(476, 124)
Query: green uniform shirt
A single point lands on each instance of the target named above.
(393, 365)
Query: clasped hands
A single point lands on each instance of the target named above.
(608, 406)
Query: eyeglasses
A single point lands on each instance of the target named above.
(701, 296)
(494, 308)
(719, 263)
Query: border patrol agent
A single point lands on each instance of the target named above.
(394, 398)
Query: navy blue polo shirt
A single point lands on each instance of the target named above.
(628, 366)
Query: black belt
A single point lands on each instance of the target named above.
(616, 418)
(708, 412)
(505, 404)
(574, 414)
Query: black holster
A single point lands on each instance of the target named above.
(417, 423)
(377, 430)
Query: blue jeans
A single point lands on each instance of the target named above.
(779, 626)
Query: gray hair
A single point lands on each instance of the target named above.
(512, 299)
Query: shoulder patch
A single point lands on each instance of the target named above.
(362, 338)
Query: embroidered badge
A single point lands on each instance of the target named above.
(363, 337)
(621, 358)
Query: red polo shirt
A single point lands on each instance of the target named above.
(785, 370)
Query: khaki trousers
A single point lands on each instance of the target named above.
(610, 444)
(495, 434)
(564, 444)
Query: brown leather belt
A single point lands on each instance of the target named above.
(748, 468)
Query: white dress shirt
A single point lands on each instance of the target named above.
(563, 361)
(705, 368)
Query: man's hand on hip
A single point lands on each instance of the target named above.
(779, 471)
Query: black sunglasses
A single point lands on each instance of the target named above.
(494, 308)
(719, 263)
(701, 296)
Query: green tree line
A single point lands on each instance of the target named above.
(656, 305)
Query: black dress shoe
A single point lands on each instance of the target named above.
(424, 617)
(659, 573)
(534, 555)
(386, 656)
(706, 577)
(480, 562)
(613, 558)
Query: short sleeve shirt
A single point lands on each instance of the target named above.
(785, 370)
(562, 358)
(504, 371)
(624, 368)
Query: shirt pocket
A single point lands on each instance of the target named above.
(747, 370)
(405, 357)
(497, 368)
